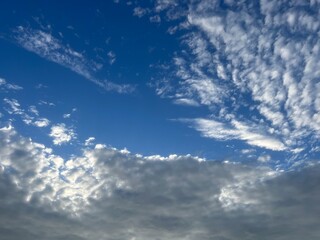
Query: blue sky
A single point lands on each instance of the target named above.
(174, 88)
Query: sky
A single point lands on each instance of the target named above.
(160, 119)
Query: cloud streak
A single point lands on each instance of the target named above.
(47, 46)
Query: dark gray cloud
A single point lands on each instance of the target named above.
(111, 194)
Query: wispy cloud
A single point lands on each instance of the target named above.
(49, 47)
(8, 86)
(253, 135)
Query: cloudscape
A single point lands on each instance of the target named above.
(160, 119)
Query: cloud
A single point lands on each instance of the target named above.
(16, 109)
(47, 46)
(105, 193)
(41, 122)
(89, 141)
(251, 60)
(112, 57)
(186, 102)
(264, 158)
(61, 134)
(4, 85)
(236, 130)
(155, 19)
(140, 12)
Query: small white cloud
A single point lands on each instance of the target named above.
(140, 12)
(112, 57)
(186, 102)
(89, 141)
(155, 19)
(247, 151)
(34, 110)
(41, 122)
(264, 158)
(61, 134)
(40, 85)
(46, 103)
(5, 85)
(14, 106)
(67, 115)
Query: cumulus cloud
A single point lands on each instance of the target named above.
(49, 47)
(60, 134)
(105, 193)
(250, 58)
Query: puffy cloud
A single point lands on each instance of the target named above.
(109, 194)
(61, 134)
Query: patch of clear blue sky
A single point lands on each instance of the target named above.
(140, 121)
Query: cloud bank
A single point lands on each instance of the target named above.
(107, 193)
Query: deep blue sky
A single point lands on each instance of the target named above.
(123, 44)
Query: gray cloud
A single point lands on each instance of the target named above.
(111, 194)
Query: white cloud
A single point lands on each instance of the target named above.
(155, 19)
(47, 46)
(187, 102)
(89, 141)
(112, 57)
(236, 130)
(34, 110)
(264, 158)
(14, 106)
(8, 86)
(16, 109)
(62, 134)
(140, 12)
(41, 122)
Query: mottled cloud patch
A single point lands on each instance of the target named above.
(250, 60)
